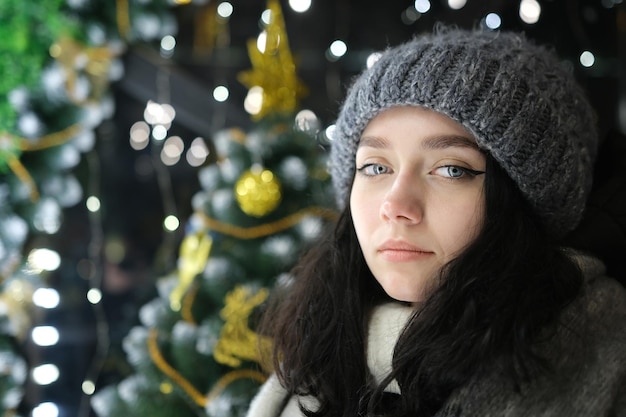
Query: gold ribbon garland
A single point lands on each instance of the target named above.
(22, 174)
(185, 385)
(266, 229)
(187, 303)
(44, 142)
(231, 377)
(51, 140)
(122, 16)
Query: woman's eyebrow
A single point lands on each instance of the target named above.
(435, 142)
(449, 141)
(373, 142)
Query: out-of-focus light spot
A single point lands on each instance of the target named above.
(159, 132)
(45, 335)
(224, 9)
(493, 21)
(114, 250)
(266, 16)
(168, 159)
(86, 268)
(169, 113)
(422, 6)
(173, 147)
(88, 387)
(254, 100)
(261, 41)
(46, 409)
(139, 135)
(338, 48)
(94, 295)
(197, 152)
(372, 58)
(587, 59)
(43, 259)
(153, 112)
(168, 43)
(529, 11)
(159, 114)
(45, 374)
(46, 298)
(171, 223)
(589, 14)
(300, 6)
(92, 203)
(220, 93)
(409, 15)
(330, 132)
(456, 4)
(307, 121)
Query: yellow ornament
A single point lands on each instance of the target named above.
(237, 341)
(274, 70)
(69, 53)
(194, 252)
(258, 192)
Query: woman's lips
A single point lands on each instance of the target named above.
(397, 251)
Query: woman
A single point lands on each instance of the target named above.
(461, 160)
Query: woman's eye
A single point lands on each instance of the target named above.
(455, 171)
(373, 169)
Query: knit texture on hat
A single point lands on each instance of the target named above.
(515, 97)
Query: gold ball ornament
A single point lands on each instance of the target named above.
(258, 192)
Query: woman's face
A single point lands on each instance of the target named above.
(417, 198)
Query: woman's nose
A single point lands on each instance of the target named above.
(403, 202)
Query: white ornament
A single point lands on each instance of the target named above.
(29, 125)
(19, 98)
(147, 26)
(184, 332)
(310, 228)
(47, 217)
(199, 201)
(223, 200)
(209, 177)
(220, 406)
(134, 344)
(96, 34)
(15, 229)
(293, 171)
(280, 247)
(12, 398)
(151, 312)
(85, 140)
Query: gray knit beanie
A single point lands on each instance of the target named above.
(515, 97)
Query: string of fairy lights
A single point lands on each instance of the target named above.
(154, 130)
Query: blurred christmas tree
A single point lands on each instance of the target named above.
(261, 203)
(59, 59)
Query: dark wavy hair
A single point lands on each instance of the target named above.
(495, 302)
